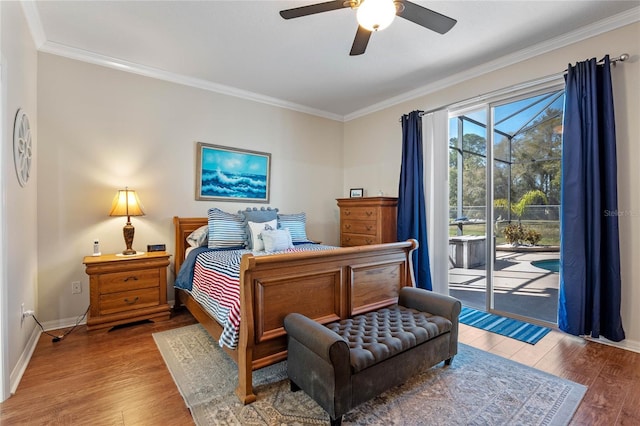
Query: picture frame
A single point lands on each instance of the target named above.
(232, 174)
(356, 192)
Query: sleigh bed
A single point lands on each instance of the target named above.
(326, 286)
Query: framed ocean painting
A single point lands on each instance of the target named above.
(232, 174)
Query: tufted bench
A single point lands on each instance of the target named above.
(346, 363)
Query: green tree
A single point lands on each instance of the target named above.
(473, 171)
(526, 165)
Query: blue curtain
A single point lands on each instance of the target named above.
(412, 217)
(590, 285)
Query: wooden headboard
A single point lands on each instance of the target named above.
(183, 227)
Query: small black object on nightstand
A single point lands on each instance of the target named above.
(156, 247)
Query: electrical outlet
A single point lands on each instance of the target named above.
(24, 313)
(76, 287)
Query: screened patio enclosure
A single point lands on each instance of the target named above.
(504, 205)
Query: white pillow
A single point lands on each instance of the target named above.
(276, 240)
(255, 233)
(199, 237)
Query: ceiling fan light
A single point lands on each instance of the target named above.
(375, 15)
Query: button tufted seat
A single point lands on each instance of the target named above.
(381, 334)
(348, 362)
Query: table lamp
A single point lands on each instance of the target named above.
(126, 203)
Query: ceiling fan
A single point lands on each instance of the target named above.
(375, 15)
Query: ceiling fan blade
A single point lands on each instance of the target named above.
(360, 42)
(312, 9)
(426, 17)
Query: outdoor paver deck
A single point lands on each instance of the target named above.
(519, 287)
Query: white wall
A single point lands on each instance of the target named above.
(373, 143)
(19, 213)
(102, 129)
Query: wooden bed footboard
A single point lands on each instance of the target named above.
(323, 285)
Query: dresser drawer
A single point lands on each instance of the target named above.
(350, 240)
(123, 281)
(366, 227)
(359, 213)
(127, 300)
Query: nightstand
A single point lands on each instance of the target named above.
(126, 289)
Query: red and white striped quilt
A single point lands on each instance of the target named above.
(216, 286)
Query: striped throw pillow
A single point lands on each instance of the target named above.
(296, 224)
(226, 230)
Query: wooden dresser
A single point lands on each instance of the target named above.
(368, 220)
(126, 289)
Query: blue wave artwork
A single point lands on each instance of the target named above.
(232, 174)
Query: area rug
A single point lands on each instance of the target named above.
(520, 330)
(479, 388)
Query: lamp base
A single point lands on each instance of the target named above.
(128, 232)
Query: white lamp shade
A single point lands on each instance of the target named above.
(375, 15)
(126, 203)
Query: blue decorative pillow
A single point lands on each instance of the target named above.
(296, 224)
(256, 215)
(276, 240)
(226, 230)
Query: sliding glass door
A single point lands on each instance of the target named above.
(504, 219)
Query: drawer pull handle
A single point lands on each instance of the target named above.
(347, 212)
(131, 302)
(369, 241)
(131, 278)
(369, 213)
(369, 227)
(347, 226)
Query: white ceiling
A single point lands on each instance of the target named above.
(244, 48)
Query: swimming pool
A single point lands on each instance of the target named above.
(552, 265)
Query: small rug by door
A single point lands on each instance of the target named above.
(520, 330)
(479, 388)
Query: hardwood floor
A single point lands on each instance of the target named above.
(113, 377)
(611, 374)
(119, 377)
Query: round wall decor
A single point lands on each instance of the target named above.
(22, 147)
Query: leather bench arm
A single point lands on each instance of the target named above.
(428, 301)
(316, 337)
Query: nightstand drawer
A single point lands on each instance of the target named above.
(359, 213)
(367, 227)
(123, 281)
(128, 300)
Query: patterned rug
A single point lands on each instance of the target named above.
(519, 330)
(479, 388)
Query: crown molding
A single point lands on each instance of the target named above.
(120, 64)
(614, 22)
(43, 45)
(35, 25)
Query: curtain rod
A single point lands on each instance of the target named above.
(623, 57)
(613, 61)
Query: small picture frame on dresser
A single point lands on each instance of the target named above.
(356, 193)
